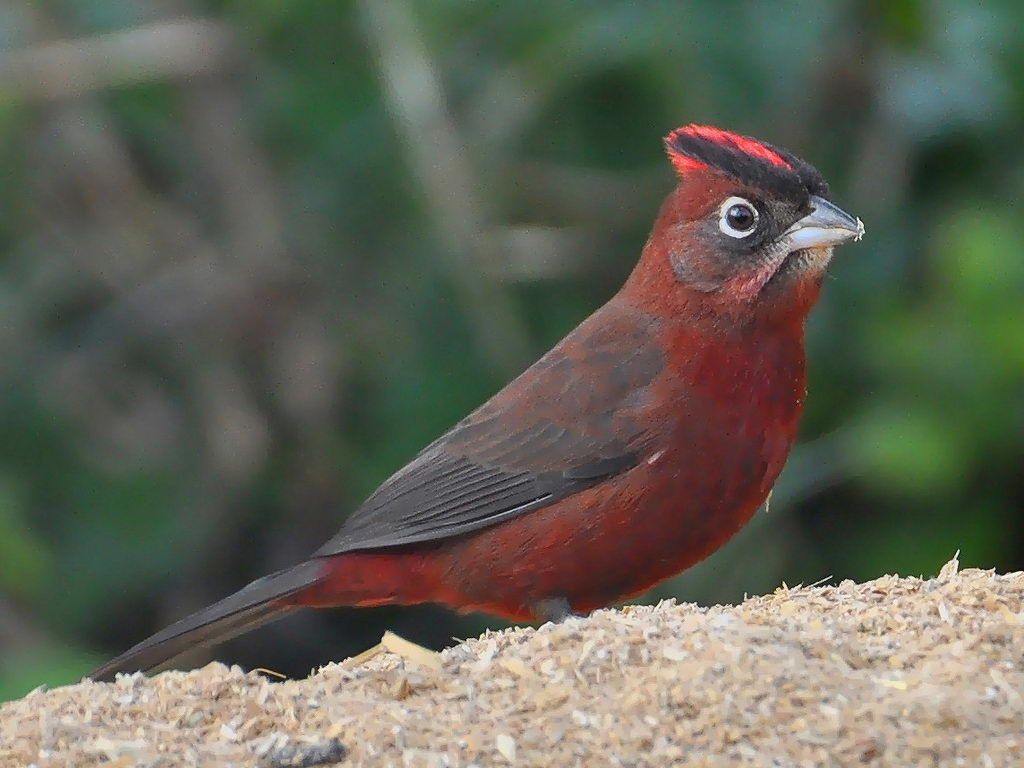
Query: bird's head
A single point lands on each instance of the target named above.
(749, 230)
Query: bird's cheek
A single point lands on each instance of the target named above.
(698, 269)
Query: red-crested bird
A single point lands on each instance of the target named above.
(635, 448)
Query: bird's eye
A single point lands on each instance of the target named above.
(737, 217)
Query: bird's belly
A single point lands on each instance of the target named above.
(613, 541)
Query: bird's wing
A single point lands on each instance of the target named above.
(573, 420)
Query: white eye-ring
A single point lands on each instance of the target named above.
(737, 217)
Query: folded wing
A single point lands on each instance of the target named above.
(575, 419)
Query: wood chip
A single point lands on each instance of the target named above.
(506, 746)
(518, 668)
(409, 651)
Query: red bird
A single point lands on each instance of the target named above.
(635, 448)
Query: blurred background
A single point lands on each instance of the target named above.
(255, 254)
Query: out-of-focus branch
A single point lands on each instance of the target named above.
(253, 229)
(440, 161)
(159, 51)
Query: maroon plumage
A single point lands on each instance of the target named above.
(633, 449)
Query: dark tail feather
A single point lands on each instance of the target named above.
(251, 606)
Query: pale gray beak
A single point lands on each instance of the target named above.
(825, 225)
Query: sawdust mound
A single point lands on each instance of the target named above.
(895, 672)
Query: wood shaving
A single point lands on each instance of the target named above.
(409, 651)
(895, 672)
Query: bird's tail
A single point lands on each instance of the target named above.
(258, 603)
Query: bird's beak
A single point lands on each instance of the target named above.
(825, 225)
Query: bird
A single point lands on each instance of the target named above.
(633, 449)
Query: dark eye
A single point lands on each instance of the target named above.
(740, 217)
(737, 217)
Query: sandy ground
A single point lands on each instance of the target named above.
(895, 672)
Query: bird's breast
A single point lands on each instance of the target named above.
(737, 409)
(720, 420)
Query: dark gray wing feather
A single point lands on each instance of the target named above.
(576, 421)
(431, 506)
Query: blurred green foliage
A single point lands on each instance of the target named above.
(253, 255)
